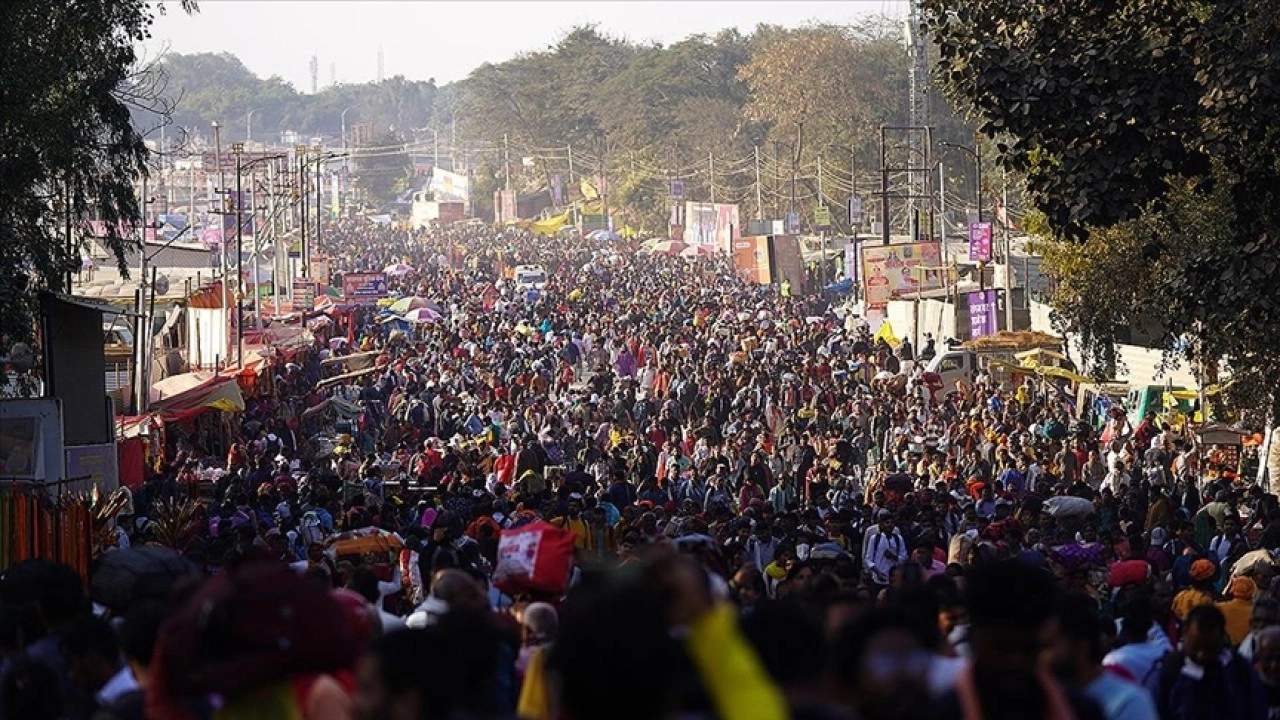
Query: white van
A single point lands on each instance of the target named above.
(530, 277)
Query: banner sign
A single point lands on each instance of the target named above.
(983, 317)
(792, 224)
(677, 189)
(822, 218)
(980, 242)
(851, 261)
(450, 186)
(304, 295)
(364, 288)
(855, 211)
(714, 224)
(889, 271)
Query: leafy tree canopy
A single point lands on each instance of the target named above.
(1143, 126)
(68, 143)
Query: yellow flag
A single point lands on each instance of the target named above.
(885, 333)
(588, 190)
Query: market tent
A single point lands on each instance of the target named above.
(189, 394)
(1040, 356)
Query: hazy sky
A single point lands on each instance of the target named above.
(446, 40)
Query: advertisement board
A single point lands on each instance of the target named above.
(95, 465)
(980, 242)
(450, 186)
(851, 261)
(751, 259)
(983, 318)
(889, 271)
(320, 270)
(788, 262)
(364, 288)
(304, 295)
(822, 218)
(31, 446)
(714, 224)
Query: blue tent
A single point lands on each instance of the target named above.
(844, 287)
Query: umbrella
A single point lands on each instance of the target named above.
(127, 576)
(405, 304)
(698, 251)
(603, 236)
(422, 315)
(398, 269)
(667, 247)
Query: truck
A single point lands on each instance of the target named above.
(427, 210)
(1002, 355)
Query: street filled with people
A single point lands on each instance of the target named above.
(646, 488)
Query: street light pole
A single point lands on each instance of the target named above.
(344, 131)
(222, 189)
(319, 160)
(977, 160)
(238, 149)
(300, 151)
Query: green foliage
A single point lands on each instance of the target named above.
(643, 114)
(208, 87)
(384, 173)
(67, 144)
(663, 111)
(1145, 128)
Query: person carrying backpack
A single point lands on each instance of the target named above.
(1207, 680)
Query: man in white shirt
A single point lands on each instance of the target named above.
(883, 549)
(450, 589)
(94, 661)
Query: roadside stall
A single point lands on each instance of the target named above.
(1222, 449)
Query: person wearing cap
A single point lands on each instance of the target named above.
(1238, 608)
(1203, 573)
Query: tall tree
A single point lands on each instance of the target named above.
(384, 172)
(1141, 109)
(66, 140)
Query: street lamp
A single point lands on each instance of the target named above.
(238, 149)
(344, 130)
(977, 159)
(300, 152)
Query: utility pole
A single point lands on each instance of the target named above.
(506, 162)
(822, 234)
(884, 187)
(1008, 252)
(711, 169)
(276, 274)
(141, 333)
(222, 190)
(301, 152)
(777, 178)
(238, 148)
(572, 185)
(604, 187)
(319, 199)
(759, 197)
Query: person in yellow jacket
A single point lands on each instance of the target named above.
(643, 613)
(1238, 610)
(539, 624)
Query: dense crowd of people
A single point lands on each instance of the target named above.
(770, 514)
